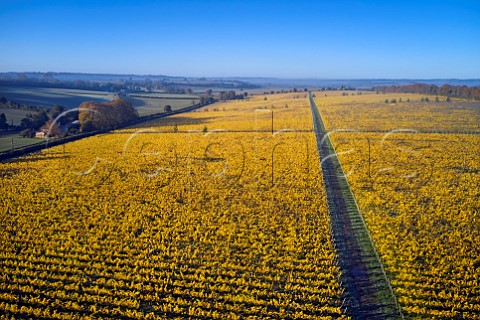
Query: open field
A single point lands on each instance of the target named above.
(147, 106)
(6, 141)
(208, 214)
(369, 112)
(419, 194)
(420, 198)
(255, 113)
(146, 224)
(47, 97)
(240, 160)
(14, 116)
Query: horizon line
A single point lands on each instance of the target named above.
(239, 77)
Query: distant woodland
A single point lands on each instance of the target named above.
(117, 83)
(445, 90)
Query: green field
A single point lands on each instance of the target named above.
(47, 97)
(14, 116)
(147, 106)
(6, 141)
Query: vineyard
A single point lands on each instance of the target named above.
(228, 212)
(420, 196)
(371, 112)
(179, 218)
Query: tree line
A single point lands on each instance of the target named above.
(231, 95)
(46, 121)
(445, 90)
(6, 104)
(118, 83)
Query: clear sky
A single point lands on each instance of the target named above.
(286, 39)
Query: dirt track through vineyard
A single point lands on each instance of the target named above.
(368, 293)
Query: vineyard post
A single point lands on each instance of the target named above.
(273, 153)
(308, 165)
(272, 121)
(369, 159)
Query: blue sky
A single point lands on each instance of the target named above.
(286, 39)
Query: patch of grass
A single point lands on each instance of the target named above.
(6, 141)
(148, 106)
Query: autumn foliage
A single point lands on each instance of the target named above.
(105, 115)
(418, 193)
(166, 220)
(147, 223)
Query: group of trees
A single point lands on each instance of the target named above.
(210, 97)
(105, 115)
(286, 91)
(92, 116)
(46, 121)
(445, 90)
(3, 122)
(230, 95)
(6, 104)
(206, 99)
(32, 123)
(177, 90)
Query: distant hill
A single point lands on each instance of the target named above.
(131, 82)
(351, 83)
(115, 82)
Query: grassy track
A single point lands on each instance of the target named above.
(369, 294)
